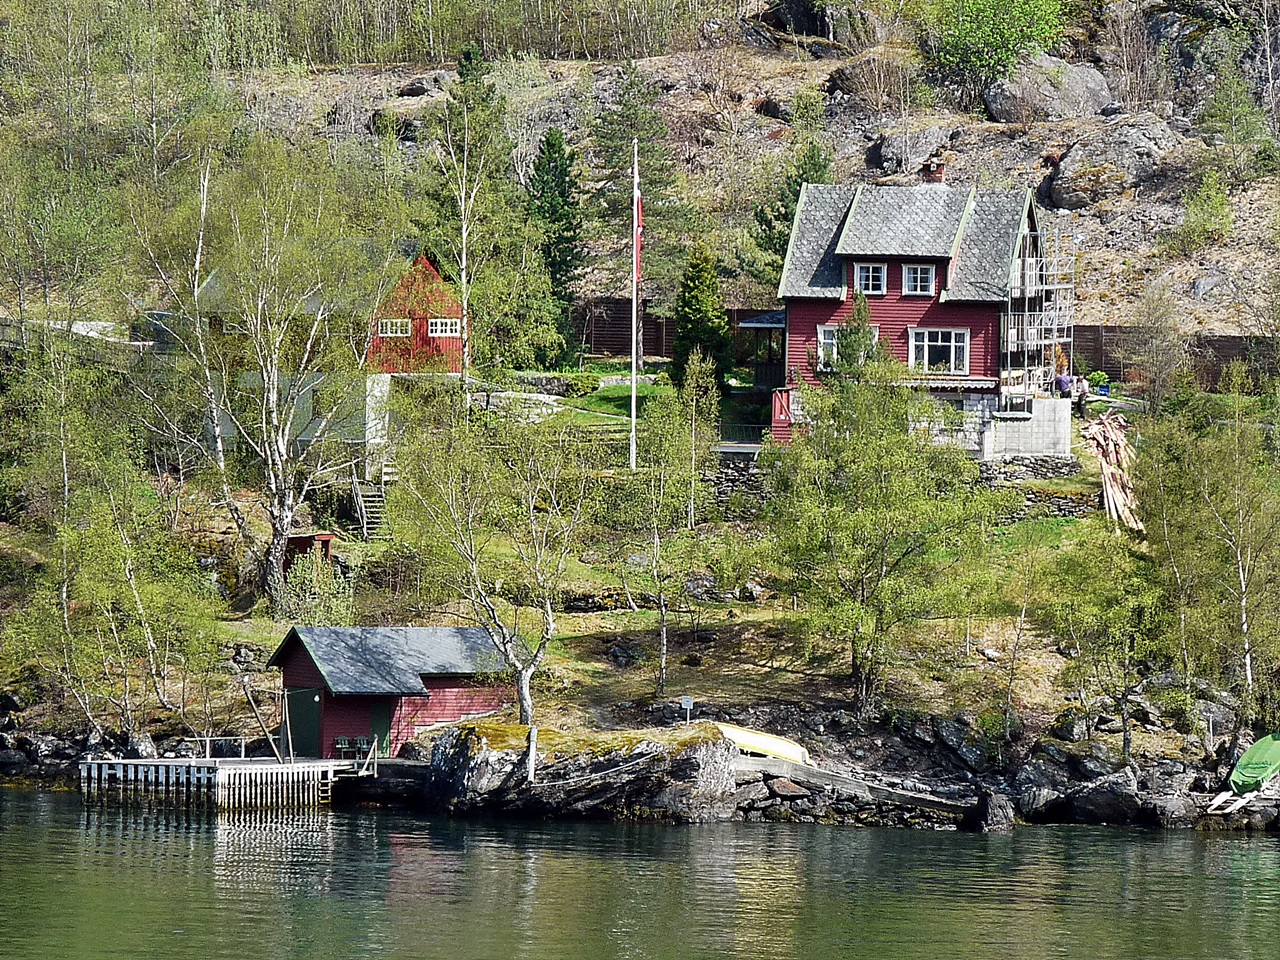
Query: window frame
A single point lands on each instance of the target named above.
(933, 279)
(884, 277)
(452, 327)
(385, 330)
(917, 362)
(825, 361)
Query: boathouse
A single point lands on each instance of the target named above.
(345, 686)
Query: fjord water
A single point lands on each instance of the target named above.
(78, 883)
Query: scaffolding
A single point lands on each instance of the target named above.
(1037, 335)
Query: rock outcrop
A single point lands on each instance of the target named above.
(691, 782)
(1047, 88)
(1112, 159)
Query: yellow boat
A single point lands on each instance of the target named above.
(765, 744)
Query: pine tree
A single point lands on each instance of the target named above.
(668, 220)
(554, 196)
(700, 316)
(772, 230)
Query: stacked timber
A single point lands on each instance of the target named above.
(1107, 440)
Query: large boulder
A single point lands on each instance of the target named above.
(1111, 799)
(1046, 88)
(1112, 159)
(13, 762)
(141, 747)
(966, 743)
(903, 151)
(991, 814)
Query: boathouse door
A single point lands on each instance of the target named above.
(304, 722)
(380, 726)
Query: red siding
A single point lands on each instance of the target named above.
(299, 670)
(893, 314)
(420, 295)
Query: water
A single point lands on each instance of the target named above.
(105, 884)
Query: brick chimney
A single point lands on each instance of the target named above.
(934, 169)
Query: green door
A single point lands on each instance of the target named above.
(380, 726)
(304, 722)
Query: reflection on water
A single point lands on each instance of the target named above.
(115, 883)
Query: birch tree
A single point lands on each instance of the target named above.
(267, 295)
(503, 506)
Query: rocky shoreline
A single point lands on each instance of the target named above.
(867, 774)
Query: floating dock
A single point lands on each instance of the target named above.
(215, 783)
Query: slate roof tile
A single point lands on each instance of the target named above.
(813, 269)
(931, 222)
(392, 660)
(903, 222)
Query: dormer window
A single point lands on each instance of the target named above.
(917, 279)
(393, 327)
(871, 278)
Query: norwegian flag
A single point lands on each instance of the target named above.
(637, 203)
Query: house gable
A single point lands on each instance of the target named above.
(417, 328)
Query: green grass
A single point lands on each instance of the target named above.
(616, 400)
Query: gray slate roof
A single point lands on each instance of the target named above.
(903, 222)
(976, 229)
(812, 268)
(981, 269)
(392, 660)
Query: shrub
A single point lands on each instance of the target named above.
(976, 42)
(1098, 379)
(1207, 218)
(581, 384)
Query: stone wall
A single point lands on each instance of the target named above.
(738, 485)
(1019, 469)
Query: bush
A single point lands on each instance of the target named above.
(976, 42)
(1098, 378)
(1207, 219)
(581, 384)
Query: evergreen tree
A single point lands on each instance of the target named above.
(554, 196)
(668, 220)
(700, 318)
(773, 216)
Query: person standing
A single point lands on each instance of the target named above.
(1062, 383)
(1082, 396)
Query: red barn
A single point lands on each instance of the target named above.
(956, 282)
(419, 325)
(345, 685)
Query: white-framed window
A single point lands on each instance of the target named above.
(827, 348)
(444, 327)
(870, 278)
(917, 279)
(940, 351)
(393, 327)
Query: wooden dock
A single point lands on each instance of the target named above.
(215, 783)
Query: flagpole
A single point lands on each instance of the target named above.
(635, 278)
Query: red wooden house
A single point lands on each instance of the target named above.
(956, 283)
(346, 685)
(419, 325)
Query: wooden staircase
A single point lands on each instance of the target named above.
(371, 501)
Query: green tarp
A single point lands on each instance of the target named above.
(1259, 764)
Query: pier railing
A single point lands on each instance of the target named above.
(217, 783)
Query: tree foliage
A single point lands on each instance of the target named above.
(701, 322)
(976, 42)
(774, 215)
(870, 515)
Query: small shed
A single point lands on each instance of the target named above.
(344, 685)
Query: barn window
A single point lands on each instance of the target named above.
(444, 327)
(940, 351)
(871, 277)
(917, 279)
(393, 327)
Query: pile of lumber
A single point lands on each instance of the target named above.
(1106, 439)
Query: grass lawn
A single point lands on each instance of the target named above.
(616, 400)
